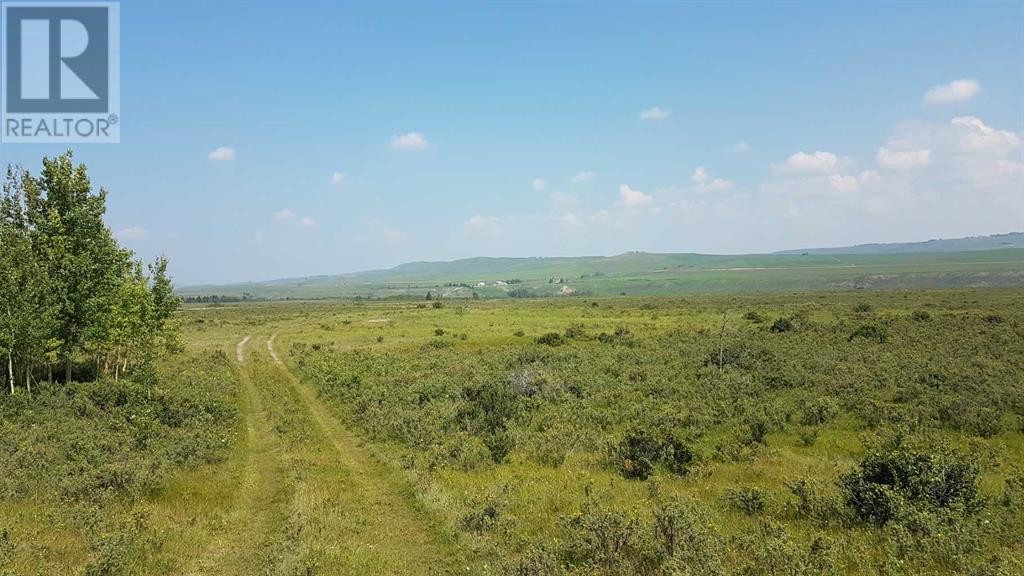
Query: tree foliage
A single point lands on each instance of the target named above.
(69, 294)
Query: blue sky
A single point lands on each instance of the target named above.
(515, 129)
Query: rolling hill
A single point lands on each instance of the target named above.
(870, 266)
(968, 244)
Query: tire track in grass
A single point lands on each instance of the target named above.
(244, 540)
(363, 512)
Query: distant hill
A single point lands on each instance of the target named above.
(968, 244)
(641, 273)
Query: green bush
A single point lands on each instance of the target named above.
(603, 538)
(640, 450)
(819, 411)
(748, 500)
(685, 538)
(894, 476)
(869, 332)
(550, 339)
(753, 317)
(484, 511)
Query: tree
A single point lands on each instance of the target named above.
(27, 309)
(78, 250)
(165, 303)
(68, 291)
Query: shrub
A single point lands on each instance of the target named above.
(781, 325)
(819, 411)
(862, 308)
(808, 437)
(811, 502)
(436, 345)
(748, 500)
(684, 536)
(536, 561)
(869, 332)
(500, 445)
(993, 319)
(753, 317)
(621, 335)
(576, 331)
(439, 332)
(484, 511)
(459, 451)
(437, 304)
(921, 315)
(640, 450)
(603, 538)
(550, 339)
(551, 447)
(757, 430)
(894, 476)
(969, 416)
(769, 551)
(519, 333)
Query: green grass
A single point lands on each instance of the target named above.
(406, 393)
(398, 438)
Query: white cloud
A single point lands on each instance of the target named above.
(337, 178)
(702, 181)
(131, 233)
(410, 141)
(655, 113)
(741, 148)
(803, 163)
(284, 214)
(967, 179)
(539, 184)
(976, 135)
(903, 159)
(307, 222)
(955, 91)
(634, 198)
(583, 176)
(222, 153)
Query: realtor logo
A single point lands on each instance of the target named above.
(61, 72)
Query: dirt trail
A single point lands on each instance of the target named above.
(240, 350)
(246, 531)
(377, 515)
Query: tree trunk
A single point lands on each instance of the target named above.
(28, 378)
(67, 370)
(49, 372)
(10, 371)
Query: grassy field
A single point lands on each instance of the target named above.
(841, 433)
(642, 274)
